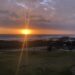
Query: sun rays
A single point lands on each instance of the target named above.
(24, 49)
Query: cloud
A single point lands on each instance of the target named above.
(4, 12)
(43, 14)
(9, 19)
(14, 15)
(9, 23)
(21, 5)
(12, 20)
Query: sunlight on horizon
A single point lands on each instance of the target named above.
(26, 31)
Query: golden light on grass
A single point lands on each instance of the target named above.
(26, 31)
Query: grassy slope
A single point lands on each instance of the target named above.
(36, 63)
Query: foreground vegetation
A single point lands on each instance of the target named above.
(37, 63)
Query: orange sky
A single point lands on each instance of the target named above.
(9, 31)
(34, 31)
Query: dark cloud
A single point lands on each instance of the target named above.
(8, 14)
(53, 25)
(14, 15)
(36, 22)
(9, 19)
(4, 12)
(9, 23)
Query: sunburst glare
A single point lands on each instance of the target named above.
(26, 31)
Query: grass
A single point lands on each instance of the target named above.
(37, 63)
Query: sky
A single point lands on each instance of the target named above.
(44, 16)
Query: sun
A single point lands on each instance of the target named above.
(26, 31)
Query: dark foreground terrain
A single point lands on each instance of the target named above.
(38, 63)
(11, 44)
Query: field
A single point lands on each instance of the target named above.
(37, 63)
